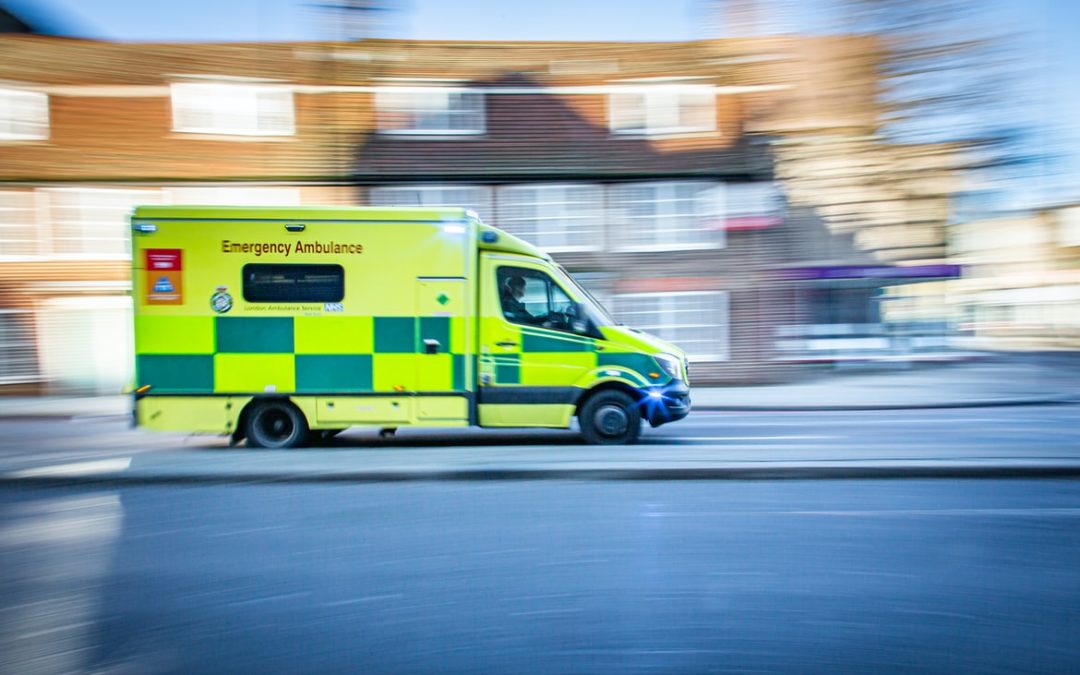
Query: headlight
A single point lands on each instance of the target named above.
(670, 364)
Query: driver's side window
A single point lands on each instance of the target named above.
(529, 297)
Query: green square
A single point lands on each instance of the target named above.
(395, 335)
(459, 372)
(436, 328)
(333, 373)
(179, 373)
(508, 369)
(259, 335)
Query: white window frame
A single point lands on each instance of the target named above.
(389, 99)
(667, 320)
(595, 231)
(660, 109)
(483, 210)
(718, 234)
(38, 105)
(188, 96)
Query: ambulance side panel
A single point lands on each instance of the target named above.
(356, 322)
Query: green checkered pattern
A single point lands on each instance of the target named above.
(549, 358)
(317, 354)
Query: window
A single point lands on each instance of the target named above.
(429, 111)
(667, 216)
(695, 321)
(232, 108)
(18, 354)
(1068, 222)
(93, 223)
(554, 217)
(293, 283)
(662, 110)
(530, 297)
(18, 224)
(752, 206)
(24, 115)
(475, 197)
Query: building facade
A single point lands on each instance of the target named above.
(1021, 289)
(648, 170)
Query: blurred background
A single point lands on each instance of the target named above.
(779, 187)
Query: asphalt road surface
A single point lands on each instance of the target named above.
(550, 576)
(544, 577)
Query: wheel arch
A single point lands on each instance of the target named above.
(240, 431)
(609, 385)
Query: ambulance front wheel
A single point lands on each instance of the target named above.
(610, 418)
(276, 424)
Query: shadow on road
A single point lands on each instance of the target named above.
(367, 440)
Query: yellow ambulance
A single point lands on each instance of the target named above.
(287, 325)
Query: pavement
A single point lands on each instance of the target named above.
(995, 380)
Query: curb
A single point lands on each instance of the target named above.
(978, 403)
(953, 471)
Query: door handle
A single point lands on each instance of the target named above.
(506, 343)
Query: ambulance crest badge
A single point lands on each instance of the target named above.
(221, 301)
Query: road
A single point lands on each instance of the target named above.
(544, 577)
(1031, 435)
(550, 576)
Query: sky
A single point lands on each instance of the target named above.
(1049, 49)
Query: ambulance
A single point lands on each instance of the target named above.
(285, 326)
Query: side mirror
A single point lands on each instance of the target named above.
(581, 324)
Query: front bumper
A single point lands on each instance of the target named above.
(670, 403)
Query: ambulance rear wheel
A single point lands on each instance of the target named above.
(276, 424)
(610, 418)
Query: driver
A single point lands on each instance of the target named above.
(513, 308)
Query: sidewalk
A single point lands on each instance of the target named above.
(1013, 379)
(1018, 379)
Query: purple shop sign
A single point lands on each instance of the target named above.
(942, 271)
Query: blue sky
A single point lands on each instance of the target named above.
(1050, 52)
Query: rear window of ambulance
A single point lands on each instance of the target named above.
(293, 283)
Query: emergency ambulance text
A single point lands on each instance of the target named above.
(258, 248)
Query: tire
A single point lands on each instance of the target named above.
(276, 425)
(610, 418)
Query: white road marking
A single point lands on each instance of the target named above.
(100, 466)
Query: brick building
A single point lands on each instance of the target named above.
(633, 163)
